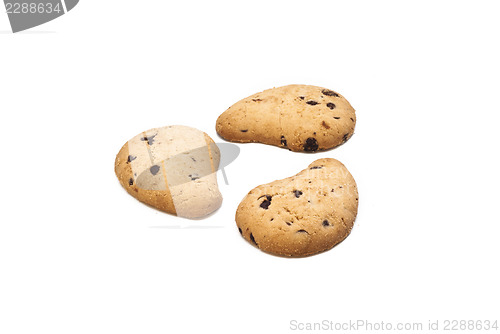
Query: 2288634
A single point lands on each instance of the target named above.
(32, 8)
(471, 325)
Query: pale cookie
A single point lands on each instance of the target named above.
(301, 215)
(173, 169)
(298, 117)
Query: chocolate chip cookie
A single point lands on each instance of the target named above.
(302, 215)
(172, 169)
(300, 118)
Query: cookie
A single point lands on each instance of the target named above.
(172, 169)
(301, 215)
(300, 118)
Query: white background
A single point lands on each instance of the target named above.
(79, 255)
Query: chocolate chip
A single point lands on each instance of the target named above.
(241, 232)
(253, 239)
(244, 130)
(302, 231)
(325, 125)
(336, 117)
(352, 119)
(326, 223)
(312, 103)
(328, 92)
(333, 190)
(131, 182)
(265, 204)
(283, 141)
(330, 105)
(131, 158)
(289, 223)
(149, 139)
(256, 100)
(311, 145)
(302, 97)
(272, 219)
(346, 136)
(297, 193)
(155, 169)
(316, 167)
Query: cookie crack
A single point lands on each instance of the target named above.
(343, 223)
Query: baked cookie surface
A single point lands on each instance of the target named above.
(172, 169)
(301, 215)
(301, 118)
